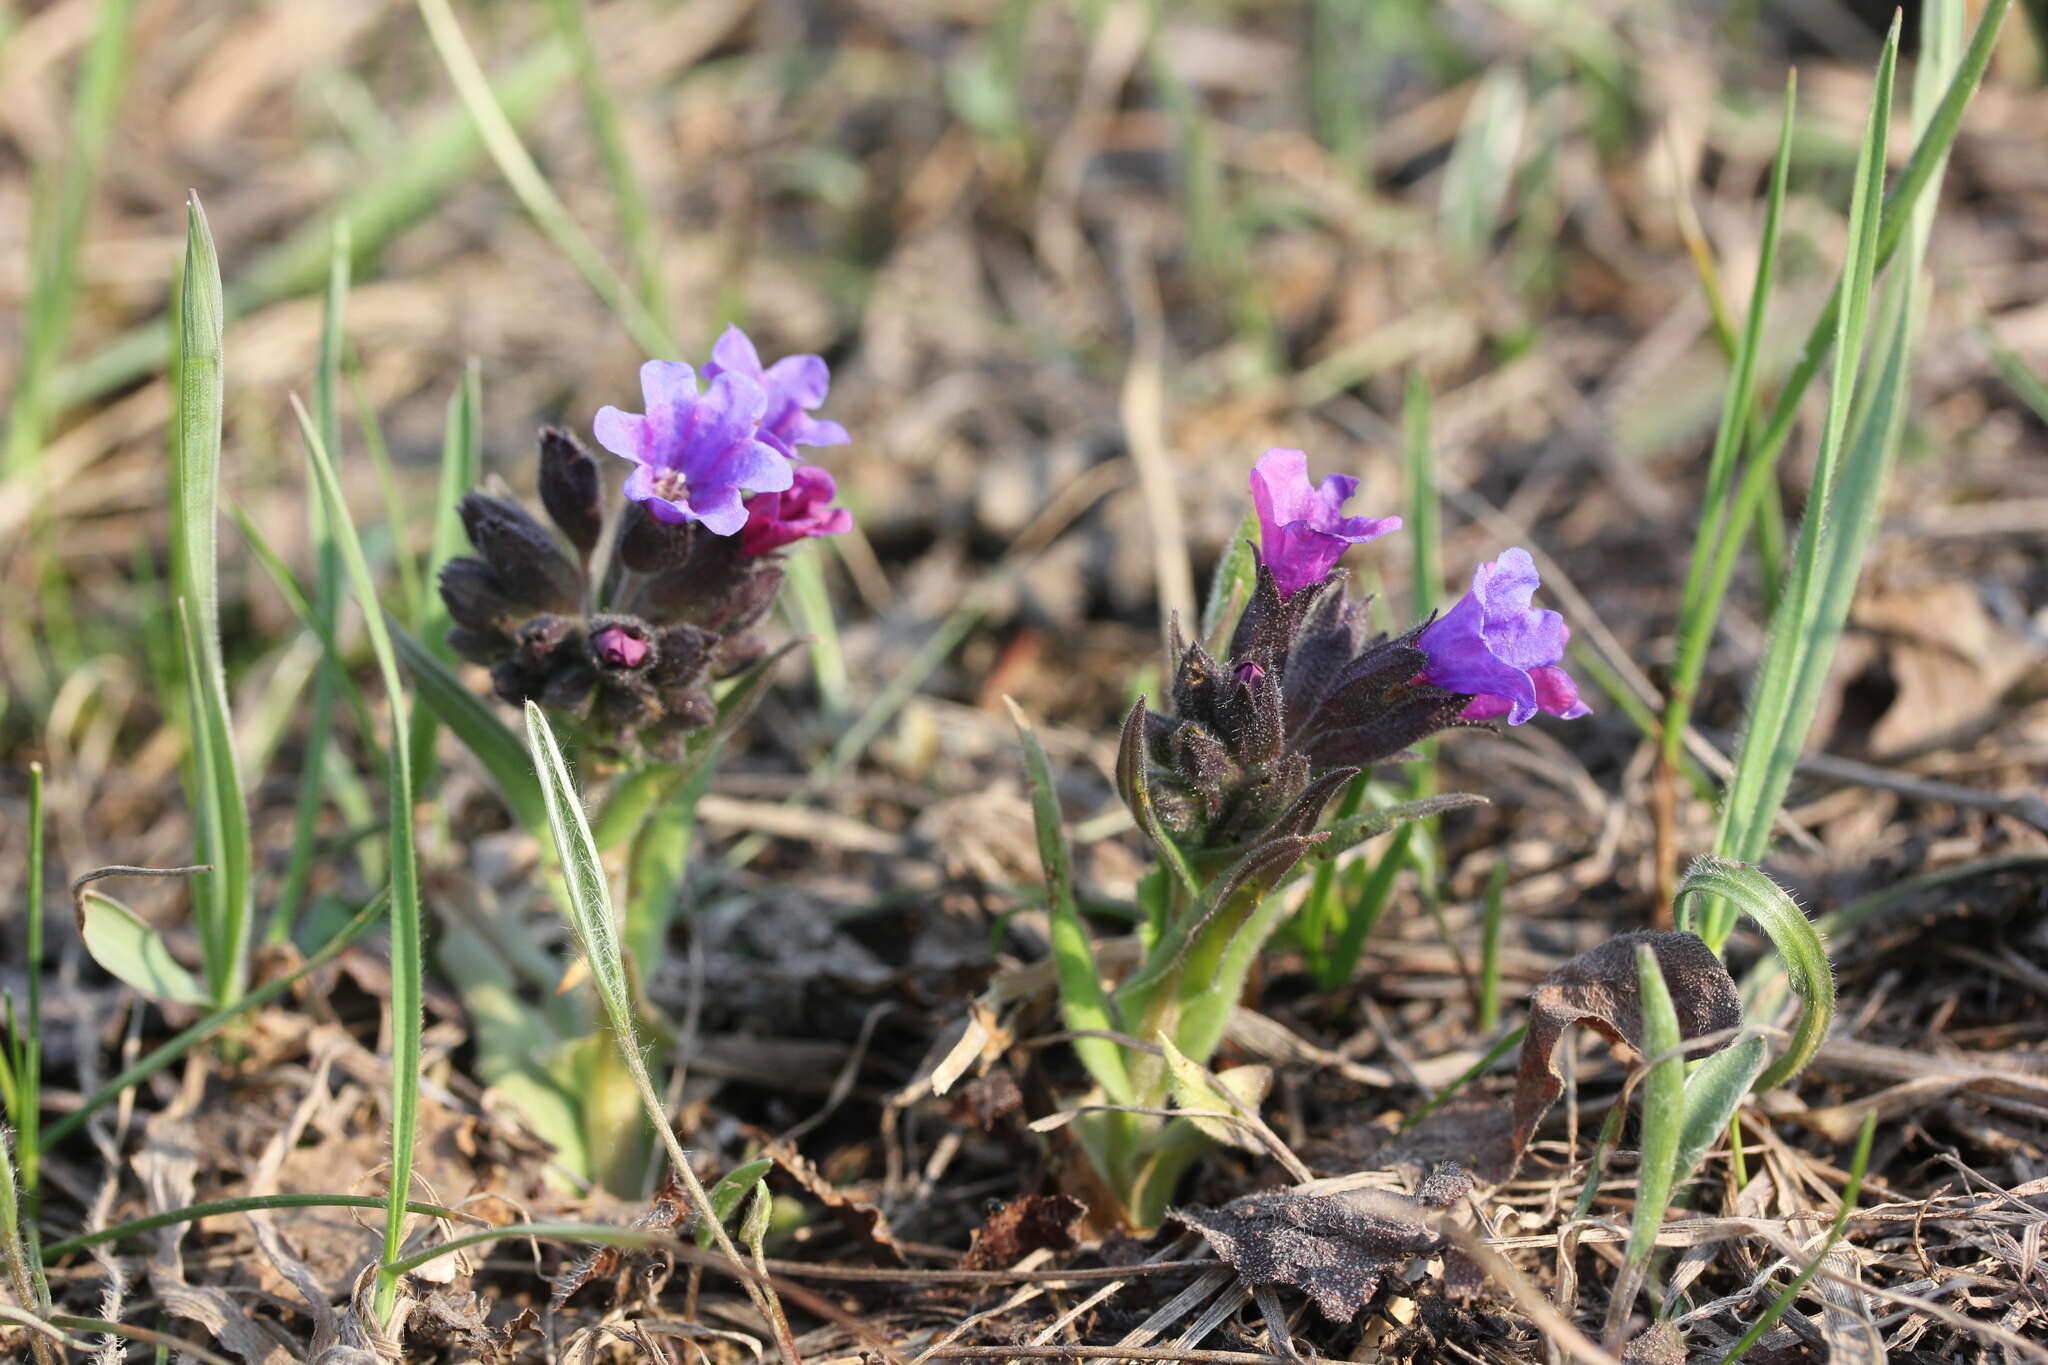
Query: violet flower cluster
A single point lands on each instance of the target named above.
(629, 634)
(1307, 695)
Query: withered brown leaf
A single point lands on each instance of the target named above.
(1600, 989)
(1336, 1248)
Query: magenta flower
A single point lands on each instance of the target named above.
(794, 384)
(776, 519)
(620, 647)
(1498, 648)
(697, 453)
(1302, 527)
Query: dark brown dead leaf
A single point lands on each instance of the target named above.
(1658, 1344)
(865, 1223)
(987, 1100)
(1336, 1248)
(1599, 989)
(1016, 1229)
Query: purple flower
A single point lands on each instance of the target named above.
(697, 453)
(1499, 649)
(793, 384)
(776, 519)
(1302, 527)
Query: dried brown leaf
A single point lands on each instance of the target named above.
(1336, 1248)
(1599, 989)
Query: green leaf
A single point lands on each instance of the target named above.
(1085, 1006)
(474, 721)
(1353, 830)
(1798, 942)
(407, 952)
(589, 897)
(133, 952)
(1481, 171)
(221, 905)
(731, 1188)
(1663, 1107)
(1713, 1092)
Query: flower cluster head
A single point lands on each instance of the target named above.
(629, 634)
(1307, 695)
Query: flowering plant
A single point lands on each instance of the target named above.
(1268, 723)
(637, 627)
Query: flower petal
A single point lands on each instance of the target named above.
(720, 509)
(622, 433)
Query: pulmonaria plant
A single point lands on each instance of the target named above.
(629, 634)
(1231, 785)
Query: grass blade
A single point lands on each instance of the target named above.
(1084, 1004)
(541, 202)
(59, 230)
(1769, 1319)
(406, 948)
(17, 1246)
(254, 1203)
(1230, 587)
(596, 924)
(636, 219)
(176, 1046)
(326, 603)
(475, 722)
(461, 470)
(222, 902)
(1700, 606)
(1663, 1117)
(28, 1042)
(1748, 891)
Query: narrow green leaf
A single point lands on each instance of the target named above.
(589, 897)
(528, 182)
(1084, 1004)
(597, 931)
(731, 1188)
(326, 603)
(1362, 915)
(131, 950)
(474, 721)
(192, 1213)
(1798, 942)
(1713, 1092)
(407, 949)
(1858, 1164)
(1481, 172)
(171, 1049)
(1663, 1107)
(222, 903)
(1702, 595)
(461, 470)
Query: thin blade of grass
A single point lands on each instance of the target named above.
(28, 1059)
(539, 199)
(1771, 742)
(636, 219)
(255, 1203)
(1663, 1119)
(473, 721)
(439, 157)
(59, 231)
(407, 1006)
(1084, 1004)
(222, 903)
(461, 470)
(24, 1266)
(1790, 1294)
(596, 923)
(326, 604)
(1698, 610)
